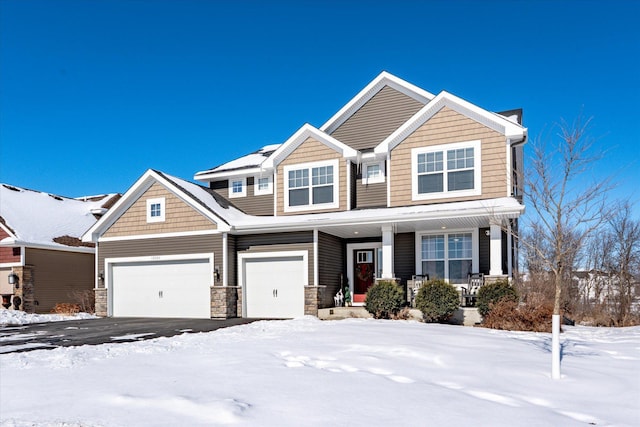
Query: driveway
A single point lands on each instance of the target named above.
(102, 330)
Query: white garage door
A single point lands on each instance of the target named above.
(274, 287)
(162, 289)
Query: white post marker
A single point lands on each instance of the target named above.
(555, 346)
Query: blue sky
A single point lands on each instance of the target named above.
(93, 93)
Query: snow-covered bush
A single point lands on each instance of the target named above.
(384, 299)
(437, 300)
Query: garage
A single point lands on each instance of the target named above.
(274, 284)
(163, 288)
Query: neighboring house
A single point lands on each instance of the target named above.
(398, 182)
(41, 253)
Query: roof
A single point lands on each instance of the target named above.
(39, 219)
(249, 161)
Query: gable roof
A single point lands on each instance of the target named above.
(376, 85)
(305, 132)
(38, 219)
(202, 199)
(246, 164)
(497, 122)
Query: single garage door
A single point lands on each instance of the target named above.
(162, 289)
(274, 287)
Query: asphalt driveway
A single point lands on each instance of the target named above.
(102, 330)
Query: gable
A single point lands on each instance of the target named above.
(179, 216)
(386, 111)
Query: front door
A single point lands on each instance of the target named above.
(363, 275)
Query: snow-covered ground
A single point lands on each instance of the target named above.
(307, 372)
(17, 317)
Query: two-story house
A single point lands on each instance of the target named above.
(399, 182)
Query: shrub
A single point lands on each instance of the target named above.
(85, 299)
(437, 300)
(509, 315)
(493, 293)
(66, 308)
(384, 299)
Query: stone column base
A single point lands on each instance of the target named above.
(101, 302)
(224, 302)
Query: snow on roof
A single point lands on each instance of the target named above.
(43, 219)
(251, 160)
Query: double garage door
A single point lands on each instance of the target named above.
(174, 288)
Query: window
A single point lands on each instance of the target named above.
(447, 256)
(446, 170)
(312, 185)
(237, 187)
(262, 185)
(155, 210)
(373, 173)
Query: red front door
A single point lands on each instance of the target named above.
(363, 273)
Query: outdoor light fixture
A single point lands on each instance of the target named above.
(216, 273)
(101, 275)
(14, 280)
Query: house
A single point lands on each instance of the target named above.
(399, 182)
(42, 259)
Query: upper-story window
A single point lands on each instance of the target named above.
(262, 185)
(155, 210)
(311, 186)
(237, 187)
(373, 173)
(451, 170)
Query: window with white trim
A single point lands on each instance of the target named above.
(446, 170)
(311, 186)
(262, 185)
(447, 256)
(373, 173)
(155, 210)
(237, 187)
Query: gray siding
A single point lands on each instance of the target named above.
(484, 251)
(331, 265)
(232, 260)
(57, 274)
(404, 256)
(250, 204)
(367, 195)
(163, 246)
(279, 242)
(378, 118)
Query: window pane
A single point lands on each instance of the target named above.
(431, 183)
(430, 162)
(462, 180)
(460, 246)
(433, 247)
(299, 197)
(263, 184)
(322, 175)
(373, 171)
(435, 269)
(299, 178)
(323, 194)
(460, 159)
(155, 210)
(236, 186)
(459, 270)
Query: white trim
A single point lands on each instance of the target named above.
(96, 272)
(256, 185)
(159, 235)
(349, 165)
(243, 181)
(509, 168)
(310, 166)
(365, 173)
(475, 252)
(11, 264)
(477, 171)
(275, 192)
(50, 247)
(225, 260)
(156, 201)
(207, 177)
(389, 180)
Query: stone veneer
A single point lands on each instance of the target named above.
(26, 278)
(101, 302)
(313, 299)
(224, 301)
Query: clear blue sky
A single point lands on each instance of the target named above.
(93, 93)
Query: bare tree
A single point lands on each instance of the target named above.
(566, 210)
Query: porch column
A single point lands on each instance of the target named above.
(387, 252)
(496, 250)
